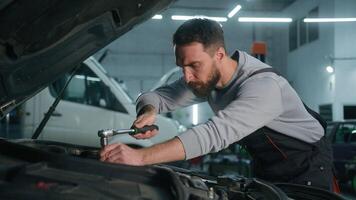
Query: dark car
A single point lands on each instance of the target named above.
(342, 134)
(40, 41)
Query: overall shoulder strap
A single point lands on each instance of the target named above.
(269, 69)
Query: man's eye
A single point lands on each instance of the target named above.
(196, 65)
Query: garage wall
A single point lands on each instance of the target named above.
(276, 38)
(306, 64)
(345, 70)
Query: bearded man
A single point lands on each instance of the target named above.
(253, 106)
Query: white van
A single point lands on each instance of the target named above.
(92, 101)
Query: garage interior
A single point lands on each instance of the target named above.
(318, 58)
(300, 51)
(312, 43)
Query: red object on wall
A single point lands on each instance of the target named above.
(259, 48)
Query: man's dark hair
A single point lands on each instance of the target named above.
(205, 31)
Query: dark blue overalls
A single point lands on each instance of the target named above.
(280, 158)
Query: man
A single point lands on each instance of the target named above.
(253, 105)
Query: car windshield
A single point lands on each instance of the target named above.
(121, 85)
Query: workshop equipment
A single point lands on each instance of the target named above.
(259, 50)
(104, 134)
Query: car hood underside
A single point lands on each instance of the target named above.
(40, 40)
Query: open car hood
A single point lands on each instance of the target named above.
(40, 40)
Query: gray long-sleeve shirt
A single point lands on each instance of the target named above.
(244, 105)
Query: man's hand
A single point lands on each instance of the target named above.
(171, 150)
(121, 153)
(147, 116)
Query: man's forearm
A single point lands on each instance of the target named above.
(147, 109)
(169, 151)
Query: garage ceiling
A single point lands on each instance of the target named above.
(226, 5)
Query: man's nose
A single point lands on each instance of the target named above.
(188, 76)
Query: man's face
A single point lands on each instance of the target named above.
(199, 68)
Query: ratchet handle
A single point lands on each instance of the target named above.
(144, 129)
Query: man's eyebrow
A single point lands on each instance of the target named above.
(189, 64)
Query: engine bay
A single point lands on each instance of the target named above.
(53, 170)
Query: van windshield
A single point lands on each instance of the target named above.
(122, 86)
(118, 83)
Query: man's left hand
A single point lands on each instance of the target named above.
(122, 154)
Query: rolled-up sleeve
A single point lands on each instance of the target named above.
(257, 103)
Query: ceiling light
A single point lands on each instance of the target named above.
(308, 20)
(264, 19)
(234, 11)
(329, 69)
(157, 17)
(186, 17)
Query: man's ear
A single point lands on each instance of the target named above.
(220, 53)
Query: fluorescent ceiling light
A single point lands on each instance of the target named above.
(234, 11)
(157, 17)
(182, 17)
(308, 20)
(264, 19)
(186, 17)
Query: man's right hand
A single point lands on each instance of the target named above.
(146, 117)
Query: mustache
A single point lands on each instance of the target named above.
(195, 84)
(201, 89)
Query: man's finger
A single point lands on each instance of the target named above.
(114, 152)
(141, 123)
(109, 148)
(138, 136)
(109, 156)
(147, 134)
(117, 160)
(113, 155)
(138, 120)
(144, 135)
(152, 133)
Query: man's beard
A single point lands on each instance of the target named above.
(202, 89)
